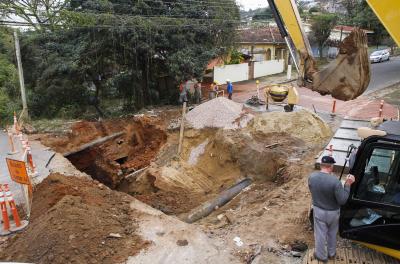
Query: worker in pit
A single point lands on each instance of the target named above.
(328, 194)
(229, 89)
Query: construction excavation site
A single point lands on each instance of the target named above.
(236, 193)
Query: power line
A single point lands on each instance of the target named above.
(26, 24)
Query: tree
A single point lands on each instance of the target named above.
(36, 13)
(8, 77)
(263, 14)
(322, 26)
(365, 18)
(351, 7)
(120, 49)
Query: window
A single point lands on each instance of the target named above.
(381, 180)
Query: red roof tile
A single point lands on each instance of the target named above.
(266, 34)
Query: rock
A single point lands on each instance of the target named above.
(230, 217)
(182, 242)
(299, 246)
(114, 235)
(296, 254)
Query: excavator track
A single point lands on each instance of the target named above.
(353, 254)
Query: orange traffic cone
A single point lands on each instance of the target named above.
(16, 125)
(29, 158)
(11, 142)
(11, 203)
(4, 214)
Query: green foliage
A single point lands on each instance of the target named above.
(8, 78)
(117, 49)
(263, 14)
(322, 26)
(236, 57)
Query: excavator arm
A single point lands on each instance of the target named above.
(345, 78)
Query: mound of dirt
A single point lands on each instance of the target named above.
(218, 113)
(303, 125)
(76, 220)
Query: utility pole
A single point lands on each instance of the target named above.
(21, 76)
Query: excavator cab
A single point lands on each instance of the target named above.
(371, 215)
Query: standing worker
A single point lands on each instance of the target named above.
(183, 93)
(229, 89)
(328, 194)
(197, 93)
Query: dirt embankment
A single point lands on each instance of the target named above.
(72, 221)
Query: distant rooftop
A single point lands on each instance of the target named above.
(350, 28)
(267, 35)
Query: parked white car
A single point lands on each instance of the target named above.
(379, 56)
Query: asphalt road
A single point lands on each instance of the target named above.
(384, 74)
(40, 156)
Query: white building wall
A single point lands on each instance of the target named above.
(264, 68)
(234, 72)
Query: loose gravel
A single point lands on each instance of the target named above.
(217, 113)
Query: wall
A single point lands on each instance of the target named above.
(264, 68)
(234, 72)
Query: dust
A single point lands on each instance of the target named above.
(71, 222)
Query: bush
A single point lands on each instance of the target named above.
(7, 107)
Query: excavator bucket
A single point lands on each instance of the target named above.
(345, 78)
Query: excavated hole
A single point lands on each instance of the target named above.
(113, 159)
(212, 161)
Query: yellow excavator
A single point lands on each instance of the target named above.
(346, 77)
(371, 216)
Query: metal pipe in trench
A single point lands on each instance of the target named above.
(224, 197)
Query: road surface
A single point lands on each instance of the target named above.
(40, 154)
(384, 74)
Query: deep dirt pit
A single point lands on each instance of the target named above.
(112, 160)
(212, 159)
(275, 151)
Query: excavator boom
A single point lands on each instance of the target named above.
(345, 78)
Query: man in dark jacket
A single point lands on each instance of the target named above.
(328, 194)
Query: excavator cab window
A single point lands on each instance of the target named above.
(372, 214)
(380, 182)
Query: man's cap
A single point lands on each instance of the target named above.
(227, 80)
(328, 160)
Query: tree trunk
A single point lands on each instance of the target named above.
(320, 51)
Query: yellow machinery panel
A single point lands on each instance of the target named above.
(388, 12)
(290, 15)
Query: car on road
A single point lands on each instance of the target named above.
(379, 56)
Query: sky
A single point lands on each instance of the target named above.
(252, 4)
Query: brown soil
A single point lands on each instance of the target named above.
(175, 186)
(271, 214)
(110, 161)
(71, 222)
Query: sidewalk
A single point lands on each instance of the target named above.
(363, 107)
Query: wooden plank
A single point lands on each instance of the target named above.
(340, 256)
